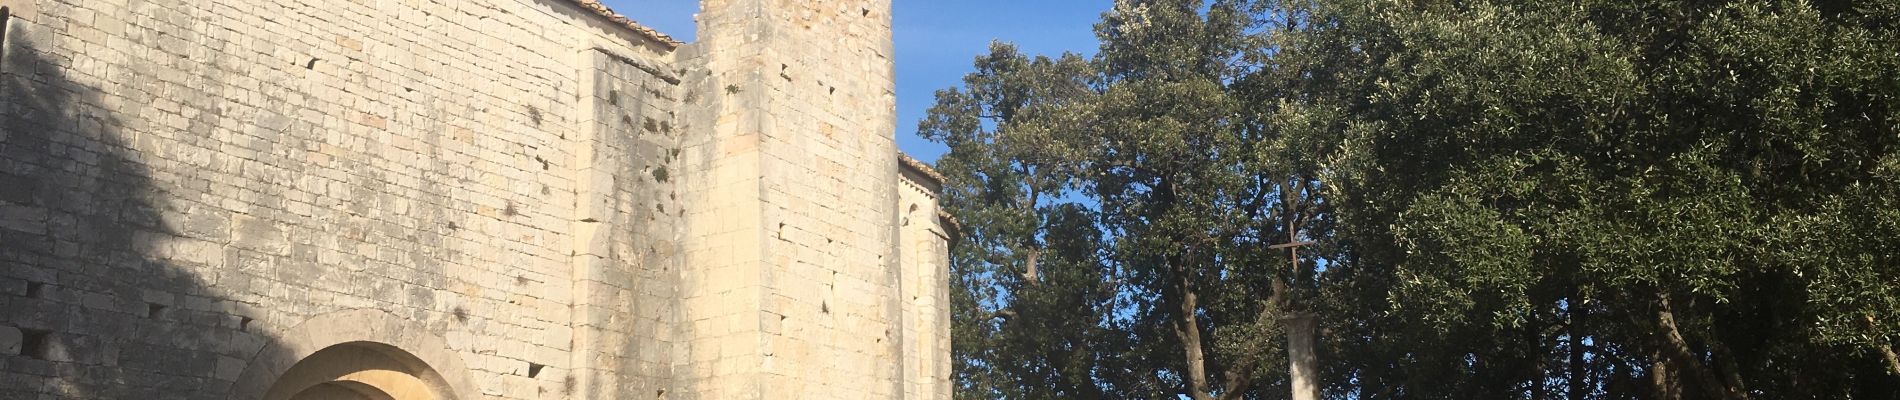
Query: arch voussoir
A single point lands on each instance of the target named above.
(357, 347)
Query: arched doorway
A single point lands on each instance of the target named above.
(360, 371)
(359, 354)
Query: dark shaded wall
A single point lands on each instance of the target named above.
(95, 302)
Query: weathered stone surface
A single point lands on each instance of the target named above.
(10, 340)
(538, 199)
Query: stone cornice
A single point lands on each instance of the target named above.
(920, 167)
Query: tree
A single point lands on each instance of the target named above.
(1601, 199)
(1033, 302)
(1125, 190)
(1607, 199)
(1189, 196)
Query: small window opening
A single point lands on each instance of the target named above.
(244, 324)
(33, 343)
(534, 370)
(155, 310)
(36, 290)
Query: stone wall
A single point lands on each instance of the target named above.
(534, 198)
(626, 227)
(925, 236)
(791, 254)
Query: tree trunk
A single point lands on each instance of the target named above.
(1731, 370)
(1893, 360)
(1188, 326)
(1087, 387)
(1031, 273)
(1676, 350)
(1880, 345)
(1661, 377)
(1540, 365)
(1613, 381)
(1579, 373)
(1240, 377)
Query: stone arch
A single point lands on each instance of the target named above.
(356, 354)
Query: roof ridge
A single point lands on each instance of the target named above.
(608, 12)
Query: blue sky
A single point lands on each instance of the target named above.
(936, 41)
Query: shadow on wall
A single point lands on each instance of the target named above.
(101, 297)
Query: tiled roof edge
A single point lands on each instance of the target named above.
(950, 221)
(606, 12)
(952, 227)
(920, 167)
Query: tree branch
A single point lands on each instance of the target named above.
(1676, 348)
(1031, 274)
(1240, 375)
(1004, 314)
(1886, 352)
(1893, 360)
(1579, 371)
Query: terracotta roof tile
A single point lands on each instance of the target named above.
(920, 167)
(951, 226)
(904, 160)
(605, 12)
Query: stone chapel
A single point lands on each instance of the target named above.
(461, 200)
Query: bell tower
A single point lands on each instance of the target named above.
(791, 285)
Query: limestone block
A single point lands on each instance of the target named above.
(10, 340)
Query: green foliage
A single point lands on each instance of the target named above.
(1118, 222)
(1533, 186)
(1617, 199)
(1030, 306)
